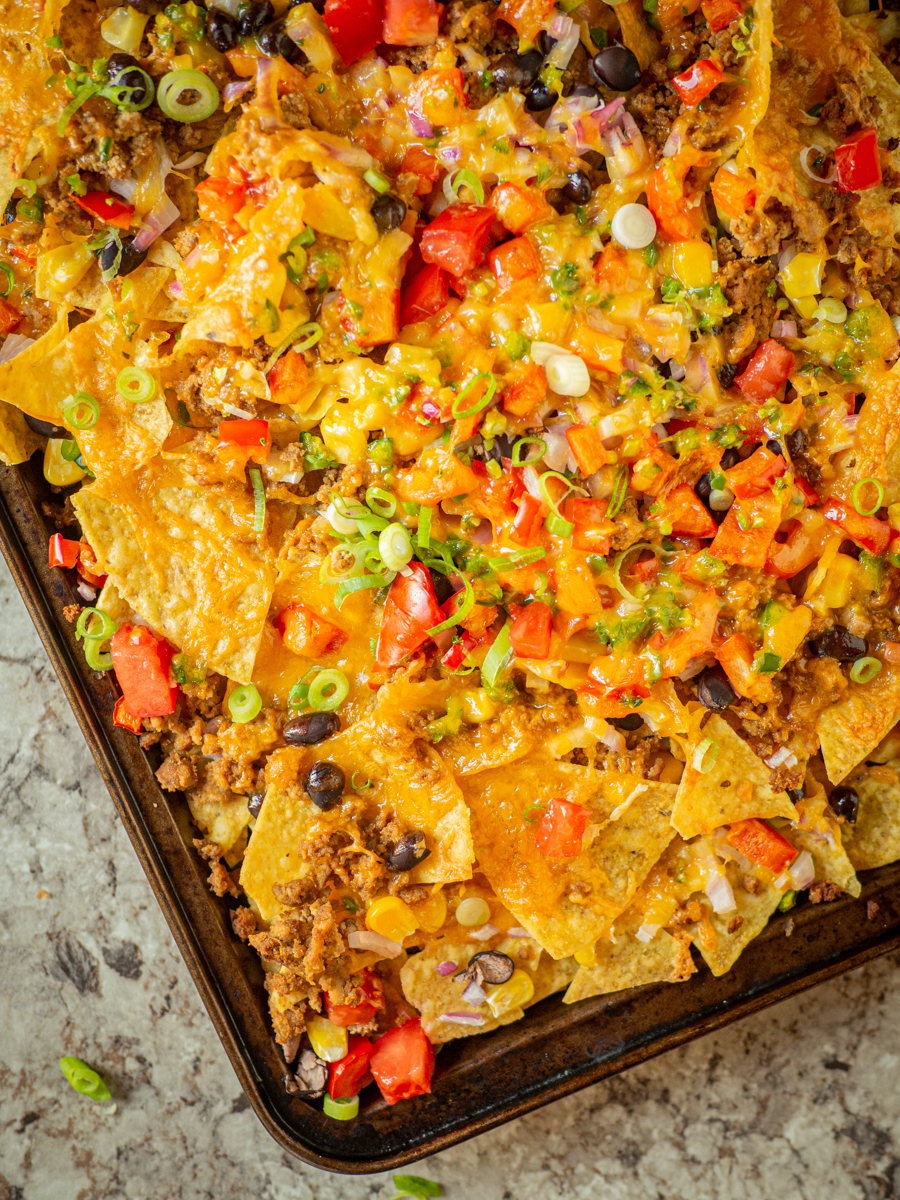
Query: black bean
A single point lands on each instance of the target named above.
(119, 62)
(727, 374)
(516, 71)
(714, 691)
(795, 795)
(797, 442)
(578, 189)
(617, 68)
(255, 803)
(325, 784)
(45, 429)
(775, 447)
(222, 30)
(502, 447)
(730, 458)
(309, 1079)
(546, 42)
(408, 852)
(130, 258)
(838, 642)
(845, 802)
(539, 96)
(703, 487)
(629, 724)
(492, 966)
(137, 82)
(275, 42)
(443, 588)
(255, 18)
(387, 212)
(311, 729)
(9, 213)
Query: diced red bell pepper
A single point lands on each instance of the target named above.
(358, 1014)
(611, 674)
(141, 663)
(411, 22)
(756, 474)
(766, 371)
(88, 567)
(721, 13)
(528, 522)
(438, 96)
(650, 473)
(748, 530)
(687, 513)
(243, 441)
(736, 656)
(63, 552)
(304, 632)
(512, 262)
(289, 379)
(456, 238)
(438, 475)
(424, 295)
(346, 1075)
(355, 27)
(733, 193)
(810, 495)
(518, 207)
(123, 718)
(529, 634)
(587, 446)
(857, 162)
(219, 201)
(418, 162)
(525, 390)
(561, 829)
(695, 84)
(870, 533)
(677, 220)
(804, 543)
(10, 317)
(410, 610)
(593, 528)
(402, 1062)
(456, 655)
(762, 844)
(107, 208)
(695, 640)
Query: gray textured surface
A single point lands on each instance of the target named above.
(799, 1103)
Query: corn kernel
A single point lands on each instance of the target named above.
(477, 706)
(692, 264)
(124, 28)
(517, 990)
(803, 275)
(61, 269)
(431, 913)
(586, 956)
(329, 1042)
(837, 586)
(391, 917)
(785, 636)
(473, 911)
(58, 470)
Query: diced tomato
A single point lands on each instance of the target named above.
(677, 219)
(650, 473)
(456, 655)
(593, 528)
(529, 520)
(402, 1062)
(870, 533)
(456, 238)
(766, 371)
(762, 844)
(141, 663)
(576, 590)
(411, 609)
(804, 543)
(411, 22)
(123, 718)
(289, 379)
(10, 317)
(810, 495)
(424, 295)
(857, 162)
(512, 262)
(736, 656)
(243, 441)
(687, 513)
(438, 96)
(697, 639)
(695, 84)
(529, 634)
(63, 552)
(733, 193)
(756, 474)
(587, 446)
(561, 829)
(358, 1014)
(612, 674)
(438, 475)
(518, 207)
(304, 632)
(526, 388)
(748, 530)
(527, 17)
(219, 201)
(418, 162)
(603, 707)
(107, 208)
(346, 1075)
(355, 27)
(721, 13)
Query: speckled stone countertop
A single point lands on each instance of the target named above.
(800, 1102)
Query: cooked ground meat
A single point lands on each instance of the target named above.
(655, 105)
(745, 284)
(849, 106)
(335, 858)
(221, 882)
(823, 892)
(178, 773)
(735, 923)
(133, 137)
(296, 110)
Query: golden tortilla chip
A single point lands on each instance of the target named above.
(185, 558)
(551, 975)
(821, 834)
(493, 743)
(17, 440)
(849, 729)
(732, 931)
(435, 995)
(624, 961)
(223, 819)
(874, 841)
(736, 787)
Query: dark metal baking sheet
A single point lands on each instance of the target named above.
(479, 1082)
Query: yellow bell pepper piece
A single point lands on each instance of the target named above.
(477, 706)
(806, 305)
(327, 213)
(124, 28)
(517, 990)
(58, 470)
(692, 264)
(837, 587)
(328, 1041)
(803, 275)
(431, 913)
(61, 269)
(391, 917)
(785, 636)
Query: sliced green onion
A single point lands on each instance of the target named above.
(520, 558)
(131, 97)
(84, 1079)
(457, 617)
(542, 584)
(81, 411)
(705, 756)
(360, 584)
(274, 317)
(468, 178)
(534, 808)
(360, 787)
(864, 670)
(176, 84)
(619, 564)
(378, 182)
(879, 493)
(95, 659)
(359, 550)
(423, 537)
(559, 526)
(310, 331)
(457, 412)
(552, 504)
(244, 703)
(259, 499)
(498, 657)
(295, 260)
(381, 502)
(95, 625)
(136, 384)
(84, 93)
(328, 690)
(345, 1108)
(69, 450)
(620, 487)
(8, 272)
(395, 546)
(516, 457)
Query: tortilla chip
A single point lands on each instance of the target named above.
(434, 995)
(17, 441)
(223, 819)
(491, 744)
(851, 728)
(26, 102)
(753, 910)
(877, 437)
(624, 961)
(185, 558)
(736, 787)
(566, 903)
(551, 975)
(821, 834)
(874, 841)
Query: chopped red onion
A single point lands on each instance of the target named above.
(614, 741)
(673, 144)
(631, 364)
(14, 345)
(850, 421)
(695, 666)
(517, 932)
(234, 411)
(484, 933)
(531, 478)
(193, 160)
(234, 90)
(176, 288)
(86, 592)
(418, 124)
(474, 994)
(365, 939)
(802, 871)
(787, 255)
(784, 329)
(446, 968)
(676, 370)
(165, 213)
(804, 163)
(483, 534)
(462, 1018)
(567, 34)
(696, 371)
(124, 187)
(721, 897)
(558, 451)
(647, 933)
(778, 757)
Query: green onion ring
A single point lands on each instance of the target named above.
(378, 182)
(864, 670)
(423, 536)
(87, 626)
(381, 502)
(345, 1108)
(519, 558)
(259, 499)
(136, 384)
(620, 487)
(705, 756)
(867, 512)
(361, 583)
(458, 413)
(84, 1079)
(461, 613)
(552, 504)
(93, 656)
(174, 85)
(244, 703)
(360, 787)
(516, 456)
(8, 272)
(395, 547)
(532, 808)
(498, 657)
(310, 331)
(619, 564)
(559, 526)
(328, 690)
(467, 177)
(81, 411)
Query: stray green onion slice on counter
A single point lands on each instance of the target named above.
(84, 1079)
(244, 703)
(416, 1186)
(170, 95)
